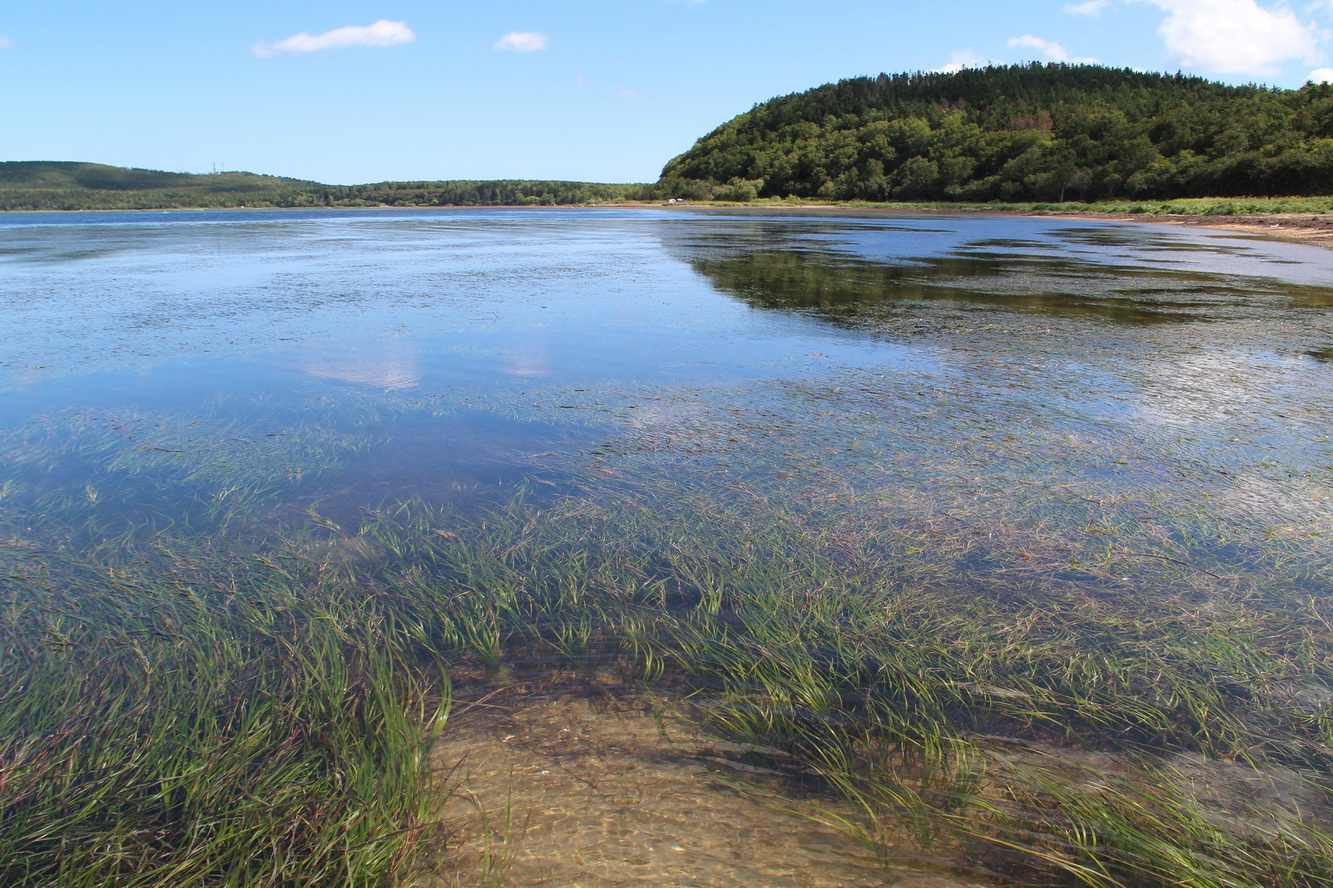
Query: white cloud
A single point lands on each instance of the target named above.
(1233, 36)
(522, 41)
(1053, 51)
(1091, 7)
(1321, 75)
(963, 58)
(382, 33)
(5, 42)
(629, 93)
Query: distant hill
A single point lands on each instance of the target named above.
(1018, 133)
(52, 185)
(56, 185)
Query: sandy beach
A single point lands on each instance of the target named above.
(1304, 228)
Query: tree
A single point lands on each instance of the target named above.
(1047, 132)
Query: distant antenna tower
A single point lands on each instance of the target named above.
(215, 167)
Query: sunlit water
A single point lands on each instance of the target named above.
(1035, 390)
(1058, 351)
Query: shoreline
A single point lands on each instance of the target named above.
(1301, 228)
(1311, 229)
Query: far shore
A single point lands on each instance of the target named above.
(1314, 229)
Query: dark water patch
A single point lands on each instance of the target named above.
(1323, 355)
(838, 286)
(466, 459)
(1137, 238)
(243, 462)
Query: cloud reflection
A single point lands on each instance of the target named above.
(384, 365)
(528, 360)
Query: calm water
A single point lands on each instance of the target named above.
(1019, 412)
(393, 353)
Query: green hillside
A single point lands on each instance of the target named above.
(1018, 133)
(51, 185)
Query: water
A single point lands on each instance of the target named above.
(1114, 355)
(1018, 408)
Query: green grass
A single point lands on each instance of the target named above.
(186, 730)
(965, 669)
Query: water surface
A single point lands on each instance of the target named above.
(1043, 416)
(460, 343)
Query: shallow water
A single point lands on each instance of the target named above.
(587, 786)
(1207, 345)
(1015, 407)
(1110, 354)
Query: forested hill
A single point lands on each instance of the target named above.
(50, 185)
(1018, 133)
(53, 185)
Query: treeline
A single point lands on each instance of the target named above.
(497, 193)
(43, 185)
(1033, 132)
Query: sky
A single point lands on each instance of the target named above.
(361, 91)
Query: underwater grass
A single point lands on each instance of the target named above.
(1050, 679)
(897, 694)
(307, 696)
(198, 732)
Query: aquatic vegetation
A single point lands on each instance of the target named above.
(161, 730)
(281, 683)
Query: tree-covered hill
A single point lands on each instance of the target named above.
(100, 177)
(51, 185)
(1018, 133)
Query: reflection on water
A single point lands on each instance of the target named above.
(1183, 358)
(1034, 275)
(467, 459)
(836, 285)
(386, 364)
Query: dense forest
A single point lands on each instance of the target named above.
(468, 193)
(46, 185)
(1018, 133)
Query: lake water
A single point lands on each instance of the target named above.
(1038, 351)
(1014, 407)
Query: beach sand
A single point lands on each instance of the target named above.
(1303, 228)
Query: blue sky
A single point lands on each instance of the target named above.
(354, 91)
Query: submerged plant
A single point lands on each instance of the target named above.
(1044, 676)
